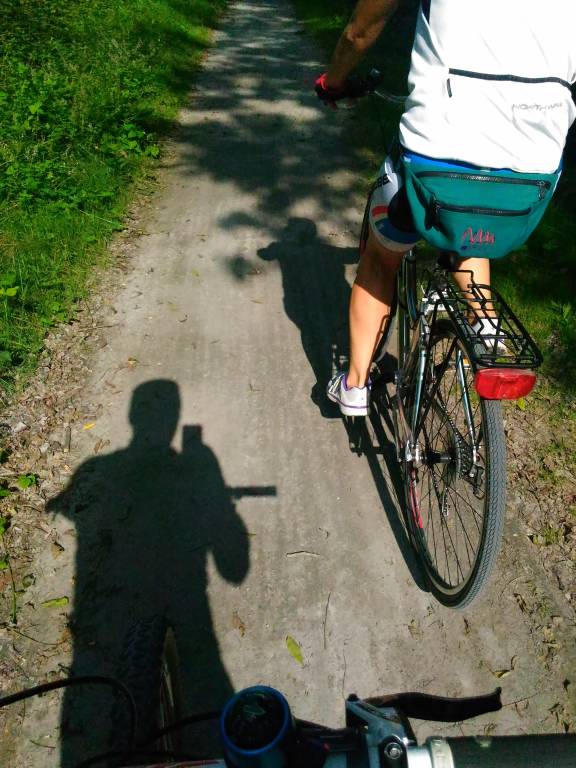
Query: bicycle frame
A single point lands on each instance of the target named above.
(411, 360)
(415, 394)
(414, 332)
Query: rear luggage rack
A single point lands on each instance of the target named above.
(501, 326)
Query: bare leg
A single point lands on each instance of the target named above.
(372, 295)
(481, 274)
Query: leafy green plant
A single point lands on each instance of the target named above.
(86, 89)
(26, 481)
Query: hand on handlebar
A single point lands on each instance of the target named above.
(353, 88)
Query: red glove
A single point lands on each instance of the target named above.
(331, 95)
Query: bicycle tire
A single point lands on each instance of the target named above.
(438, 495)
(149, 666)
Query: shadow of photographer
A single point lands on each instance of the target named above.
(147, 519)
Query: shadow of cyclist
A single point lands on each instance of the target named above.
(316, 296)
(146, 519)
(373, 438)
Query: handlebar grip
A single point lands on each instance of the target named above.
(539, 751)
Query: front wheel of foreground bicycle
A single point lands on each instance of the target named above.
(150, 669)
(456, 492)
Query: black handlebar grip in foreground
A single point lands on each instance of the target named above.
(546, 751)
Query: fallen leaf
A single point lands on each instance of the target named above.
(414, 628)
(302, 552)
(56, 602)
(521, 404)
(132, 362)
(295, 650)
(521, 602)
(91, 425)
(238, 624)
(501, 673)
(100, 445)
(57, 549)
(28, 581)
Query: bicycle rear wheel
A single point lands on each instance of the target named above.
(456, 494)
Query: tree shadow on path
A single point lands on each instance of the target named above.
(147, 518)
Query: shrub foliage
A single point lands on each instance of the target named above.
(86, 89)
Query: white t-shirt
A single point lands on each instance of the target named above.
(490, 82)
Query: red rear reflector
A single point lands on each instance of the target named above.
(504, 383)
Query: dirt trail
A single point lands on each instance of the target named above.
(207, 479)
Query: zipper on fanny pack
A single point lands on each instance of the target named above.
(543, 186)
(433, 212)
(438, 206)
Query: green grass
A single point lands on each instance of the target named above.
(87, 87)
(540, 280)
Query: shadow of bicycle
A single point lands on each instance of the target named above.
(373, 438)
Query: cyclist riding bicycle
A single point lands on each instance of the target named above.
(481, 142)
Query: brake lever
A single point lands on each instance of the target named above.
(422, 706)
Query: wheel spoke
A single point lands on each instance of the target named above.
(452, 431)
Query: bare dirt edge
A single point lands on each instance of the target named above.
(37, 432)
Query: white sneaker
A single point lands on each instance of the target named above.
(352, 401)
(487, 328)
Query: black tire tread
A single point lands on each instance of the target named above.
(495, 508)
(147, 643)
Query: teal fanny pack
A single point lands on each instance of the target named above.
(474, 212)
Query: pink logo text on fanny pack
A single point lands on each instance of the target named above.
(480, 237)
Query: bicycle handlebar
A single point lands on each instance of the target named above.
(369, 86)
(535, 751)
(357, 87)
(539, 751)
(558, 750)
(258, 731)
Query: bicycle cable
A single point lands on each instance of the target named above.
(39, 690)
(185, 721)
(141, 754)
